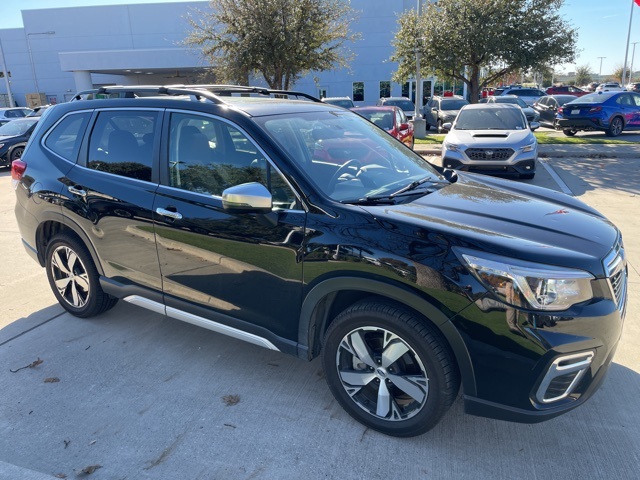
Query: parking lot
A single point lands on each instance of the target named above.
(136, 395)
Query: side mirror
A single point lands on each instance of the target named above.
(446, 126)
(534, 126)
(247, 198)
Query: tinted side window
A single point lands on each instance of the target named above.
(122, 143)
(66, 136)
(208, 155)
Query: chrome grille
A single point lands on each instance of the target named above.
(616, 268)
(489, 153)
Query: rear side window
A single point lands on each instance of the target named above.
(65, 138)
(122, 143)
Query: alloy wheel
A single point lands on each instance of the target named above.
(70, 276)
(382, 374)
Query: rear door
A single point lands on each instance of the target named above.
(241, 270)
(110, 191)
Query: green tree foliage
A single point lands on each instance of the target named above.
(480, 41)
(584, 75)
(281, 40)
(617, 74)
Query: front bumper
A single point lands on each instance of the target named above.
(522, 167)
(491, 160)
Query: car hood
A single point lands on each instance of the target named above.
(506, 218)
(490, 138)
(9, 137)
(449, 113)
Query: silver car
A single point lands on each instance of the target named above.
(491, 138)
(529, 112)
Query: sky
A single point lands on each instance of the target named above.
(602, 27)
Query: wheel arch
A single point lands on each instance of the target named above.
(51, 227)
(332, 296)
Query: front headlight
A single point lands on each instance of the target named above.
(529, 285)
(451, 146)
(529, 148)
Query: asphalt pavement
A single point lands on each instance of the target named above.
(136, 395)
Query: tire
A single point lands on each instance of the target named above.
(615, 127)
(569, 132)
(361, 372)
(16, 153)
(439, 126)
(556, 125)
(74, 279)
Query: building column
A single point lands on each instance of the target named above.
(83, 80)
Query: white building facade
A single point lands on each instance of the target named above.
(61, 51)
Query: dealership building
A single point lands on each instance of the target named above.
(61, 51)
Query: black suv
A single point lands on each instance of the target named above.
(441, 110)
(302, 227)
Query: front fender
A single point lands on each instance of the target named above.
(314, 318)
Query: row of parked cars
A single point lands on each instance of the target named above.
(16, 126)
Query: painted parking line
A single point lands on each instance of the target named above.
(563, 186)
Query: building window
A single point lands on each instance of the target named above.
(322, 92)
(385, 89)
(358, 91)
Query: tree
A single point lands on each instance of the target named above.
(617, 74)
(281, 40)
(584, 75)
(480, 41)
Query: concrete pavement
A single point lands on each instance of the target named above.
(142, 396)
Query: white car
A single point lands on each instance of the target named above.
(609, 87)
(491, 138)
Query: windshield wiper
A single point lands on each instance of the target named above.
(403, 192)
(415, 184)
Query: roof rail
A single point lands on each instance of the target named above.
(212, 93)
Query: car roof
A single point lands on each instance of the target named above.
(479, 106)
(382, 108)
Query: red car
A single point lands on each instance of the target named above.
(566, 90)
(391, 119)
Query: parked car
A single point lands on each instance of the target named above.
(547, 108)
(39, 110)
(14, 137)
(406, 105)
(566, 90)
(609, 87)
(529, 95)
(610, 112)
(11, 113)
(441, 110)
(529, 112)
(391, 119)
(408, 280)
(491, 138)
(344, 102)
(633, 87)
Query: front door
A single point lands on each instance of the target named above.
(243, 270)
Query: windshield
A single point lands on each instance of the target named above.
(346, 157)
(514, 100)
(340, 102)
(508, 118)
(592, 98)
(452, 104)
(383, 119)
(406, 105)
(16, 127)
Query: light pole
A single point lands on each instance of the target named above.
(33, 67)
(633, 53)
(600, 73)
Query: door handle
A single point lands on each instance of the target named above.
(77, 191)
(169, 213)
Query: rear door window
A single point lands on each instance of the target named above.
(122, 141)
